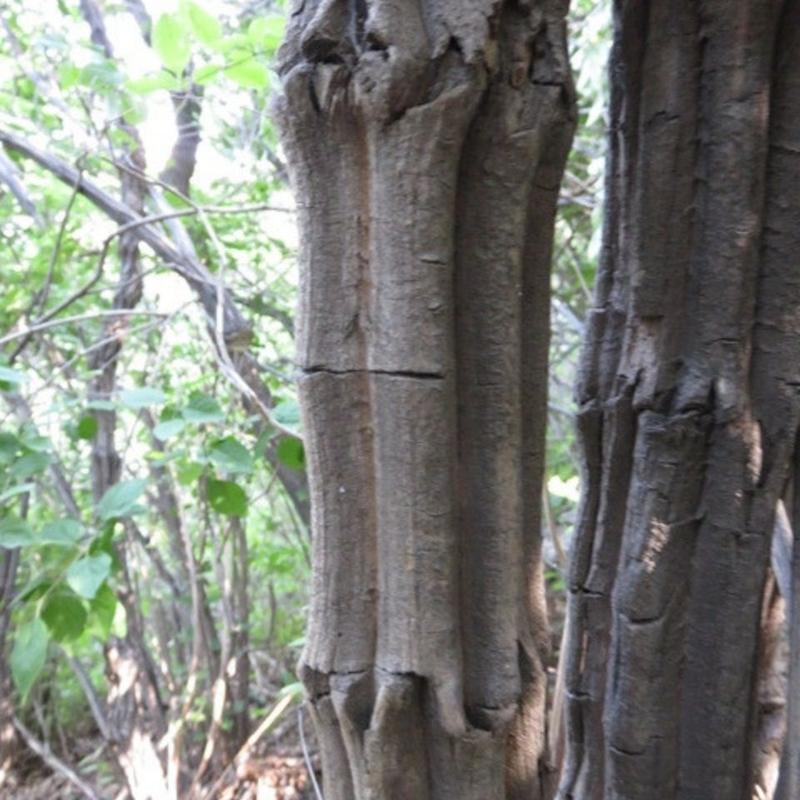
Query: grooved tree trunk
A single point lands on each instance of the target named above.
(689, 405)
(427, 140)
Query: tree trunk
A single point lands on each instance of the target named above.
(427, 141)
(9, 741)
(688, 398)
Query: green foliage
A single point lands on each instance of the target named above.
(121, 499)
(227, 497)
(29, 464)
(86, 575)
(231, 456)
(171, 424)
(193, 35)
(103, 607)
(171, 42)
(87, 427)
(10, 378)
(142, 398)
(246, 71)
(64, 614)
(204, 26)
(291, 453)
(202, 408)
(287, 415)
(64, 532)
(15, 533)
(29, 654)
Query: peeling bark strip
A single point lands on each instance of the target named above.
(427, 140)
(689, 404)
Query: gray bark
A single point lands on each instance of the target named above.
(9, 742)
(426, 142)
(688, 401)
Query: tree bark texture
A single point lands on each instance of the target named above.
(688, 398)
(426, 140)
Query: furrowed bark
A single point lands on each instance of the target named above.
(426, 142)
(9, 742)
(688, 401)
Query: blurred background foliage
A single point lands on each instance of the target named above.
(154, 545)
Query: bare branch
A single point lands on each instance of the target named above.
(54, 762)
(9, 175)
(95, 703)
(253, 739)
(53, 323)
(237, 328)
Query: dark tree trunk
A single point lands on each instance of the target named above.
(688, 400)
(9, 741)
(427, 140)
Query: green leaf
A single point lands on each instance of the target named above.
(29, 655)
(64, 532)
(101, 76)
(236, 41)
(247, 72)
(64, 614)
(189, 473)
(260, 447)
(169, 428)
(100, 405)
(171, 42)
(291, 453)
(34, 589)
(227, 497)
(33, 440)
(142, 398)
(267, 32)
(120, 499)
(30, 464)
(87, 427)
(202, 408)
(206, 73)
(15, 532)
(205, 26)
(287, 415)
(103, 606)
(11, 377)
(104, 543)
(9, 494)
(68, 76)
(154, 82)
(86, 574)
(231, 456)
(9, 447)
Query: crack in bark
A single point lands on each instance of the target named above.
(389, 373)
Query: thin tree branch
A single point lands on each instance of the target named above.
(54, 323)
(95, 703)
(306, 756)
(54, 762)
(9, 175)
(252, 740)
(236, 327)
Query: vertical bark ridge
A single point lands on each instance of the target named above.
(776, 339)
(525, 778)
(426, 140)
(732, 550)
(604, 434)
(698, 271)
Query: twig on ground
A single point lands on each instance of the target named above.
(54, 762)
